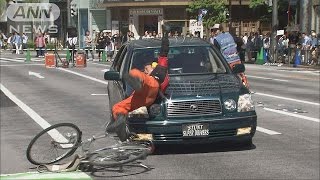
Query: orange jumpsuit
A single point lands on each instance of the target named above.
(144, 97)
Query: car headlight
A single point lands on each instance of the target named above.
(230, 105)
(245, 103)
(155, 109)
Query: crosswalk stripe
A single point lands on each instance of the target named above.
(13, 60)
(33, 59)
(20, 59)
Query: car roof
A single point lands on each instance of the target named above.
(174, 42)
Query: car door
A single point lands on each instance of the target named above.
(115, 88)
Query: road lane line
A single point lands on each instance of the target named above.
(36, 117)
(21, 65)
(99, 94)
(292, 114)
(258, 77)
(105, 70)
(101, 64)
(13, 60)
(85, 76)
(290, 99)
(267, 131)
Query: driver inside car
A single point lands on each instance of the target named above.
(146, 85)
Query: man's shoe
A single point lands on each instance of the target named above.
(123, 132)
(114, 124)
(119, 127)
(134, 82)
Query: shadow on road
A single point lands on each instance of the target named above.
(202, 148)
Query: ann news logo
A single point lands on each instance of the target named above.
(34, 12)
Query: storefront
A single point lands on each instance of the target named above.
(141, 16)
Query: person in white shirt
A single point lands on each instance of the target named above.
(88, 45)
(146, 35)
(245, 38)
(24, 41)
(72, 41)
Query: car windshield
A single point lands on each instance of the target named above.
(182, 60)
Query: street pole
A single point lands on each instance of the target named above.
(274, 30)
(230, 17)
(68, 13)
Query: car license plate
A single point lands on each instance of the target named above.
(195, 130)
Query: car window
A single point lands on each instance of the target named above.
(117, 59)
(120, 60)
(182, 60)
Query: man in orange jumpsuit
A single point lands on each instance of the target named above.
(146, 87)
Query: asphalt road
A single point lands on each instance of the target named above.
(286, 144)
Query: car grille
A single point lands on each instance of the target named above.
(212, 134)
(193, 108)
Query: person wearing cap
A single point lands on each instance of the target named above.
(146, 85)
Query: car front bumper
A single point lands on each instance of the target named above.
(220, 129)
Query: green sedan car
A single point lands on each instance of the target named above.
(205, 100)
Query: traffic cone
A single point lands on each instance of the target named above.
(297, 60)
(104, 57)
(28, 56)
(260, 57)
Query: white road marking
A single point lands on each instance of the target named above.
(32, 59)
(5, 61)
(13, 60)
(21, 65)
(35, 74)
(99, 94)
(101, 64)
(85, 76)
(36, 117)
(292, 114)
(258, 77)
(289, 99)
(267, 131)
(105, 70)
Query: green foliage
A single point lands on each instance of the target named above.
(256, 3)
(216, 9)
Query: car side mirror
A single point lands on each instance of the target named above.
(238, 68)
(112, 75)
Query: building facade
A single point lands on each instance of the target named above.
(139, 16)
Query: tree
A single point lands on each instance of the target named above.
(257, 3)
(216, 11)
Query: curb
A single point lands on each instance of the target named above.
(47, 175)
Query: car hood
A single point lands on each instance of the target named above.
(203, 85)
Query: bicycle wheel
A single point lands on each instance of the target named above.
(120, 154)
(54, 144)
